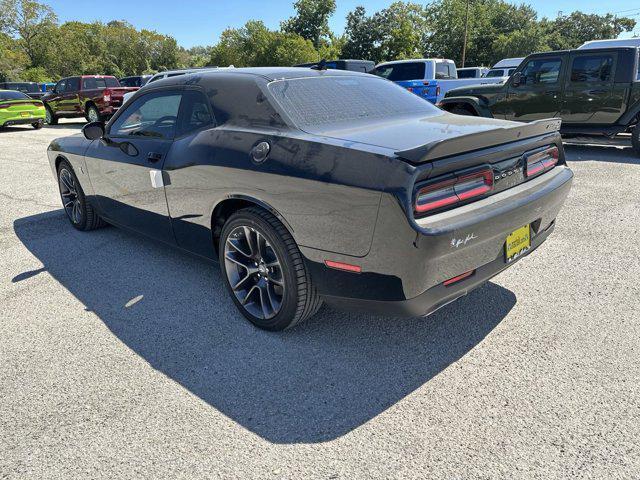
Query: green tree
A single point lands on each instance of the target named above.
(571, 31)
(311, 20)
(254, 45)
(29, 22)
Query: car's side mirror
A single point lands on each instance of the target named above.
(516, 79)
(93, 130)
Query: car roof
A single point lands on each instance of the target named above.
(612, 42)
(267, 73)
(393, 62)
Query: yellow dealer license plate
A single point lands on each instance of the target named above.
(518, 243)
(24, 114)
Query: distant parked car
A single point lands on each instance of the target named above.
(363, 66)
(29, 88)
(504, 68)
(135, 81)
(46, 87)
(16, 108)
(596, 93)
(94, 97)
(429, 78)
(615, 42)
(172, 73)
(472, 72)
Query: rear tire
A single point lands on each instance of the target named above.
(273, 288)
(462, 111)
(50, 118)
(37, 125)
(79, 210)
(635, 139)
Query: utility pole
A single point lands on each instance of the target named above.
(466, 29)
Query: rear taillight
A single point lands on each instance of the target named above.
(454, 190)
(106, 95)
(438, 91)
(542, 161)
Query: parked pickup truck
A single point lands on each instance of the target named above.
(429, 78)
(94, 97)
(596, 93)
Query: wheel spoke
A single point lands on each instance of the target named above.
(248, 295)
(239, 260)
(234, 244)
(67, 184)
(263, 302)
(275, 305)
(249, 236)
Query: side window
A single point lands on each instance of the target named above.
(592, 68)
(443, 71)
(61, 85)
(541, 71)
(195, 112)
(73, 85)
(154, 115)
(89, 83)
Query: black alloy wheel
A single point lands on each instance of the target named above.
(79, 211)
(254, 272)
(264, 271)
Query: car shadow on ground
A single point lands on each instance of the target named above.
(314, 383)
(600, 153)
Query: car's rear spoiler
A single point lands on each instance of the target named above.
(475, 141)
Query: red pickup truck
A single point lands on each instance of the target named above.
(94, 97)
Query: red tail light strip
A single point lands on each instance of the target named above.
(347, 267)
(458, 278)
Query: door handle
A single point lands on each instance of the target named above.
(154, 157)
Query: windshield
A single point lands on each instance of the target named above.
(329, 101)
(12, 95)
(399, 72)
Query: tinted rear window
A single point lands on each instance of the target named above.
(12, 95)
(92, 83)
(466, 74)
(21, 86)
(399, 72)
(324, 101)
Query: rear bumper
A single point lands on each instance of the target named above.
(438, 296)
(404, 271)
(21, 121)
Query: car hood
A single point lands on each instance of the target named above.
(405, 133)
(486, 89)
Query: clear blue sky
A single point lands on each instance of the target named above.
(200, 22)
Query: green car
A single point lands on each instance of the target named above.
(16, 108)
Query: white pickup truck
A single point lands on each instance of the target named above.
(429, 78)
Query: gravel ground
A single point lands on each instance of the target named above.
(123, 358)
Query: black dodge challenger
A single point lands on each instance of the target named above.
(311, 186)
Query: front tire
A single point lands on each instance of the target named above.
(264, 271)
(635, 139)
(79, 210)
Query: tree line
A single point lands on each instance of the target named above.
(35, 46)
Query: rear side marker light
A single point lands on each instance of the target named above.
(454, 190)
(458, 278)
(347, 267)
(543, 161)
